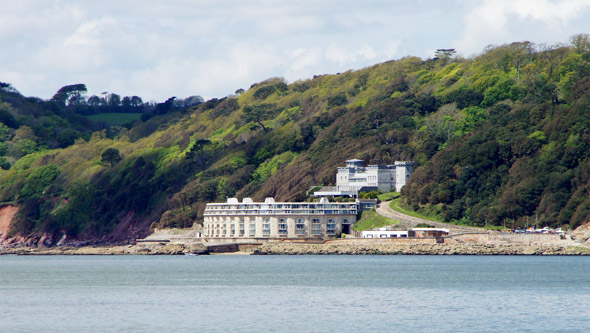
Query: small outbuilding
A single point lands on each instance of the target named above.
(428, 232)
(384, 233)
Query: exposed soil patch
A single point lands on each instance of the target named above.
(7, 213)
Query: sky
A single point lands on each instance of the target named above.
(158, 49)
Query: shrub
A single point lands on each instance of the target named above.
(38, 180)
(337, 100)
(264, 92)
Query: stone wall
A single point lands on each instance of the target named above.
(420, 249)
(382, 241)
(525, 238)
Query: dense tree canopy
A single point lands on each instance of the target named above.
(111, 156)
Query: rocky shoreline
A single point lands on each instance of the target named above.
(284, 248)
(137, 249)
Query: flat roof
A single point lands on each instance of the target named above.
(430, 229)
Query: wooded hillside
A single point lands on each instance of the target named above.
(499, 137)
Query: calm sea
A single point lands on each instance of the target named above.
(294, 293)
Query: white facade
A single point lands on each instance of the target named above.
(385, 234)
(270, 219)
(355, 176)
(413, 233)
(403, 171)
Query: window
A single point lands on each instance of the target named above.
(345, 221)
(331, 227)
(316, 227)
(233, 229)
(300, 227)
(252, 228)
(282, 227)
(242, 228)
(266, 227)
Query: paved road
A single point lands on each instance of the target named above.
(384, 210)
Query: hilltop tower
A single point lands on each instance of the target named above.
(403, 170)
(356, 177)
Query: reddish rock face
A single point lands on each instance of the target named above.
(7, 213)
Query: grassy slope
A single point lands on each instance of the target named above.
(395, 205)
(371, 220)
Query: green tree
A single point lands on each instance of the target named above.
(198, 154)
(94, 101)
(67, 137)
(126, 102)
(6, 116)
(8, 87)
(4, 132)
(264, 92)
(581, 42)
(73, 94)
(111, 156)
(114, 100)
(337, 100)
(4, 164)
(255, 114)
(136, 101)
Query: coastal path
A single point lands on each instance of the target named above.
(385, 210)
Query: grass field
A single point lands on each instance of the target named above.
(395, 206)
(370, 220)
(388, 196)
(114, 118)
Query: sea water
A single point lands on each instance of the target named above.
(294, 293)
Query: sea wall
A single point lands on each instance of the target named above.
(525, 238)
(422, 248)
(428, 240)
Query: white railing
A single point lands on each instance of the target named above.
(279, 212)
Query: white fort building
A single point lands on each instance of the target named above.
(270, 219)
(356, 177)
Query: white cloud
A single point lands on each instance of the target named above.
(349, 54)
(157, 49)
(82, 51)
(505, 21)
(284, 25)
(391, 49)
(184, 76)
(304, 62)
